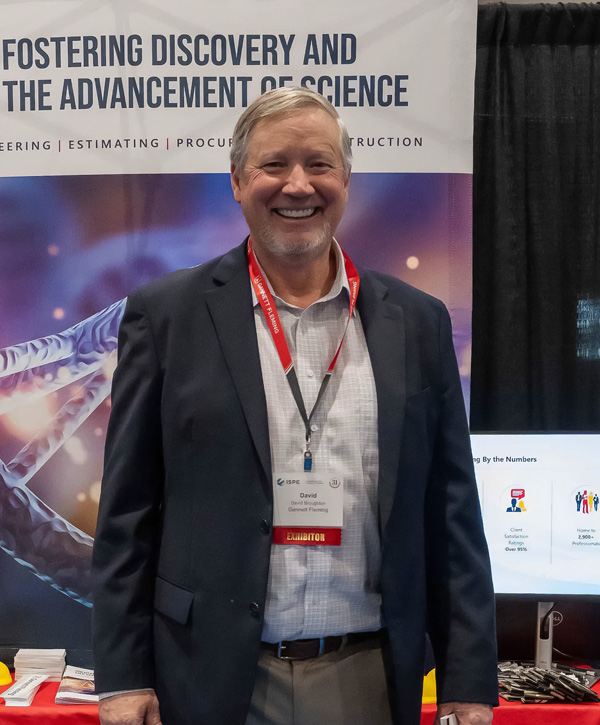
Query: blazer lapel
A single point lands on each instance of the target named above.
(230, 306)
(383, 324)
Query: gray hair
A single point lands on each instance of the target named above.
(279, 102)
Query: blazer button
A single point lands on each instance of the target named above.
(254, 610)
(264, 525)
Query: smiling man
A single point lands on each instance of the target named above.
(293, 187)
(272, 411)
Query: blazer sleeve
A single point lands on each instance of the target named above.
(124, 555)
(461, 605)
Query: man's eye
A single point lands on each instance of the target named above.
(273, 165)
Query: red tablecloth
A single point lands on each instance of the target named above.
(43, 711)
(515, 713)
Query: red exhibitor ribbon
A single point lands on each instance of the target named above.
(307, 536)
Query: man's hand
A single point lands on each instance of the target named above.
(467, 713)
(131, 708)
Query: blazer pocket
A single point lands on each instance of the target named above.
(172, 601)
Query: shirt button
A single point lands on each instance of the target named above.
(264, 525)
(254, 610)
(314, 427)
(309, 373)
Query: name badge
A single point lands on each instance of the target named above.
(308, 508)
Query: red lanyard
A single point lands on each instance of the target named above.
(267, 304)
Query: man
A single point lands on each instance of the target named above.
(201, 598)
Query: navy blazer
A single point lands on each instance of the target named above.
(182, 547)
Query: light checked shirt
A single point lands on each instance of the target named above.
(319, 591)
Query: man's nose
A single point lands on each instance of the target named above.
(298, 182)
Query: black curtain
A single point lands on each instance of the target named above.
(536, 306)
(536, 252)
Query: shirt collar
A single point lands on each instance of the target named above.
(339, 283)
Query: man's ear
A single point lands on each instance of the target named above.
(235, 184)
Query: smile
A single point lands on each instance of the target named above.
(296, 213)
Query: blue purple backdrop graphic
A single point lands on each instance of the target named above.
(72, 248)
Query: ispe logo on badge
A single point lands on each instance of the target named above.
(334, 482)
(283, 481)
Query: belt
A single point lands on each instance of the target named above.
(303, 649)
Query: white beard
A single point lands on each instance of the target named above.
(290, 251)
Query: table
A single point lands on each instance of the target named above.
(44, 710)
(515, 713)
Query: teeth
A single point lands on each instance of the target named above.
(295, 213)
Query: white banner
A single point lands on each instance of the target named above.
(150, 87)
(115, 123)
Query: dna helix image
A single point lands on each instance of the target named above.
(78, 361)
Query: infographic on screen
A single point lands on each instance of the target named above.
(540, 499)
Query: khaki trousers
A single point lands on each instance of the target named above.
(346, 687)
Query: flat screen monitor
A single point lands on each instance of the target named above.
(540, 499)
